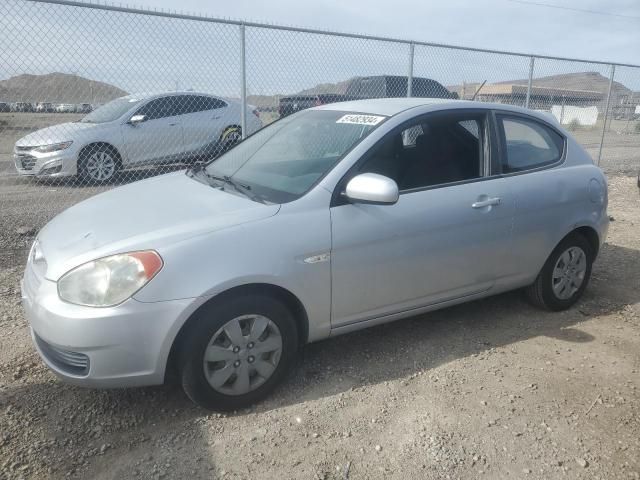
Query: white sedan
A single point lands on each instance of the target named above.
(132, 131)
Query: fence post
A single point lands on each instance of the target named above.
(410, 72)
(532, 62)
(606, 112)
(243, 84)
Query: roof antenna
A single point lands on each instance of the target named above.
(478, 90)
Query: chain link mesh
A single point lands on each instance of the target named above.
(95, 97)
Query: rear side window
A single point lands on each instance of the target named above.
(529, 144)
(160, 108)
(210, 103)
(198, 103)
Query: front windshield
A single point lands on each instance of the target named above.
(282, 162)
(111, 111)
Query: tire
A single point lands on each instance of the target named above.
(230, 137)
(98, 164)
(233, 360)
(547, 291)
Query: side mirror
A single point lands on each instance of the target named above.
(136, 119)
(372, 188)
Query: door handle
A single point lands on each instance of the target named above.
(486, 203)
(173, 124)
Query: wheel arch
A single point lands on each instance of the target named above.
(100, 144)
(590, 234)
(289, 299)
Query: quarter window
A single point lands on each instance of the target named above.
(529, 144)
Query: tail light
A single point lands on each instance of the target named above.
(255, 112)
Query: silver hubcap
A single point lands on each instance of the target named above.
(242, 355)
(100, 165)
(569, 272)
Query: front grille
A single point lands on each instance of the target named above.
(70, 362)
(26, 162)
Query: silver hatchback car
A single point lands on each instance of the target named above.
(330, 220)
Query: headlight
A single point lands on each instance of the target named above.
(110, 280)
(53, 147)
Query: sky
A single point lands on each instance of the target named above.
(140, 53)
(611, 34)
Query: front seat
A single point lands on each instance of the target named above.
(418, 172)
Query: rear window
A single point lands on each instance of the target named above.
(529, 144)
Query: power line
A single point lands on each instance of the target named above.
(582, 10)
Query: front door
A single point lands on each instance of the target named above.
(448, 236)
(159, 136)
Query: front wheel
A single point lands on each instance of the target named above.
(237, 351)
(565, 275)
(98, 164)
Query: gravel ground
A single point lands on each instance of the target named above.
(491, 389)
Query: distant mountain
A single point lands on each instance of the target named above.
(591, 81)
(57, 88)
(340, 87)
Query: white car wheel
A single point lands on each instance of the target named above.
(99, 165)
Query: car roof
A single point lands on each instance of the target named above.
(393, 106)
(150, 95)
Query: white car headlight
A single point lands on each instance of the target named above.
(53, 147)
(108, 281)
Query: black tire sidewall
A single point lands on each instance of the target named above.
(206, 323)
(549, 296)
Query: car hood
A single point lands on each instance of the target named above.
(56, 134)
(148, 214)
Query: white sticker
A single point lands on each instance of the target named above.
(361, 119)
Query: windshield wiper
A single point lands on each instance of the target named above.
(226, 179)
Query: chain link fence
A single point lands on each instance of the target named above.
(93, 96)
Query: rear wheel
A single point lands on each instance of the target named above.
(98, 164)
(237, 351)
(565, 275)
(230, 137)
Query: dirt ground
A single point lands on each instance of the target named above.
(491, 389)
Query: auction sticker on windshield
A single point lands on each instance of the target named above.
(360, 119)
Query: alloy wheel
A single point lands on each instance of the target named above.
(100, 166)
(233, 137)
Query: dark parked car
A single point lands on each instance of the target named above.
(24, 107)
(362, 88)
(84, 108)
(5, 107)
(396, 86)
(289, 105)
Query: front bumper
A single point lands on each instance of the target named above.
(123, 346)
(62, 163)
